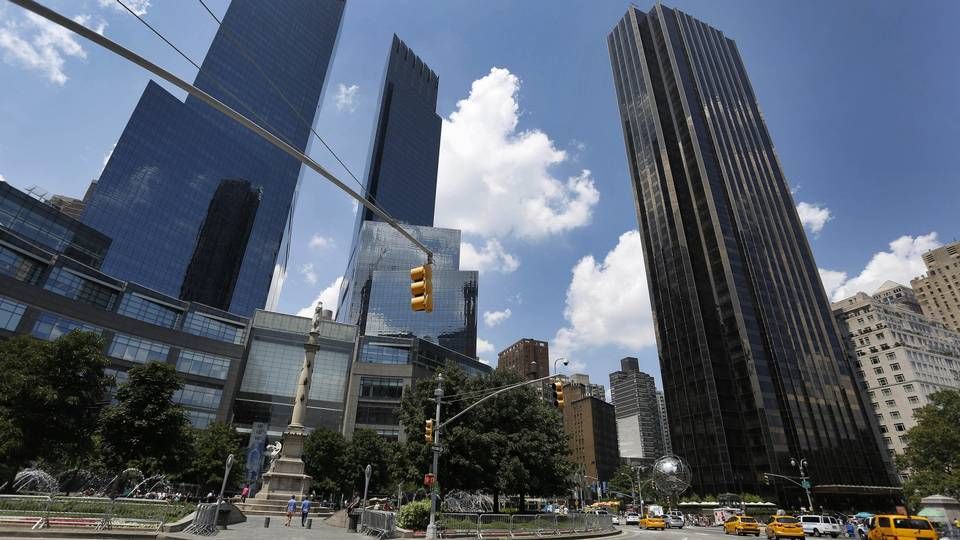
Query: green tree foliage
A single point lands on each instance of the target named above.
(50, 394)
(368, 448)
(931, 458)
(325, 454)
(145, 429)
(511, 443)
(208, 456)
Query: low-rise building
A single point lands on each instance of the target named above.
(591, 430)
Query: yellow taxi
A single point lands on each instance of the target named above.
(652, 522)
(741, 525)
(897, 527)
(784, 527)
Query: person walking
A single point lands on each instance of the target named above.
(244, 493)
(291, 506)
(304, 510)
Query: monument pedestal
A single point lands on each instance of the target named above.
(286, 476)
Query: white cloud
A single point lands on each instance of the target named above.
(320, 242)
(608, 303)
(99, 28)
(137, 6)
(328, 297)
(494, 180)
(309, 274)
(493, 318)
(813, 216)
(484, 347)
(832, 280)
(38, 44)
(901, 263)
(491, 257)
(346, 98)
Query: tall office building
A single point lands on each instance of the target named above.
(590, 389)
(160, 183)
(751, 359)
(405, 149)
(590, 426)
(634, 394)
(939, 290)
(664, 422)
(528, 357)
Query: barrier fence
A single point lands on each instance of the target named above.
(96, 513)
(383, 524)
(204, 520)
(500, 525)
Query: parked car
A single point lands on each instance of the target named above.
(632, 518)
(820, 525)
(674, 521)
(741, 525)
(901, 528)
(616, 519)
(784, 527)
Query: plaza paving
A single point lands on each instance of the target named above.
(253, 529)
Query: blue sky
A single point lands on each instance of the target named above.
(860, 98)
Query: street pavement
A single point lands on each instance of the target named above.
(253, 529)
(686, 533)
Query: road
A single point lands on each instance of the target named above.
(686, 533)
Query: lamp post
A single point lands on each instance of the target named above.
(432, 527)
(801, 464)
(223, 487)
(366, 483)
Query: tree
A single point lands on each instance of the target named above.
(145, 429)
(368, 448)
(207, 460)
(325, 454)
(50, 394)
(511, 443)
(931, 458)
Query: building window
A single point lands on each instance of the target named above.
(891, 356)
(374, 353)
(205, 364)
(899, 427)
(886, 391)
(192, 395)
(895, 367)
(895, 414)
(66, 283)
(891, 403)
(200, 325)
(880, 417)
(138, 307)
(898, 377)
(913, 399)
(377, 414)
(908, 388)
(889, 441)
(51, 327)
(200, 419)
(19, 267)
(878, 370)
(883, 428)
(882, 381)
(381, 387)
(138, 350)
(874, 359)
(10, 313)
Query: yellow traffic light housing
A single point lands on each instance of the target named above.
(421, 288)
(558, 395)
(428, 432)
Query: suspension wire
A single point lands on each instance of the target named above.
(236, 42)
(260, 118)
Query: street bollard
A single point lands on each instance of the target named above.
(266, 522)
(310, 523)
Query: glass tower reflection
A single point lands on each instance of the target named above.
(751, 361)
(155, 192)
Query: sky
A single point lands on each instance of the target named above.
(860, 98)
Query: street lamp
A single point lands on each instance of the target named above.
(801, 464)
(366, 483)
(565, 362)
(223, 487)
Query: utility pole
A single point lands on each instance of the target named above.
(432, 527)
(804, 481)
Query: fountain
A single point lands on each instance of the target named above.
(34, 480)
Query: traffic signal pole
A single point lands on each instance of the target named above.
(432, 527)
(263, 133)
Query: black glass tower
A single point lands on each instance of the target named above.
(753, 368)
(405, 148)
(155, 192)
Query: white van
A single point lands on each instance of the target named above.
(820, 525)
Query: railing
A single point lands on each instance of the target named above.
(383, 524)
(516, 525)
(96, 513)
(204, 520)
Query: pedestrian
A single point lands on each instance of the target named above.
(291, 506)
(851, 530)
(209, 496)
(304, 510)
(244, 492)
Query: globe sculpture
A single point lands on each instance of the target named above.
(671, 475)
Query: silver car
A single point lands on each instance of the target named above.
(673, 521)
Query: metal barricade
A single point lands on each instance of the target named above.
(97, 513)
(526, 525)
(24, 510)
(456, 524)
(565, 523)
(494, 525)
(383, 524)
(204, 520)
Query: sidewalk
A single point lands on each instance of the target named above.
(252, 529)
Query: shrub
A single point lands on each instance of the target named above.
(414, 516)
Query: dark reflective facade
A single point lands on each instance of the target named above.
(375, 294)
(37, 222)
(404, 152)
(752, 365)
(157, 188)
(215, 265)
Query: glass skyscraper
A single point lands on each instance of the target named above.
(173, 157)
(753, 368)
(405, 149)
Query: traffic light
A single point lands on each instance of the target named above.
(558, 395)
(428, 432)
(422, 288)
